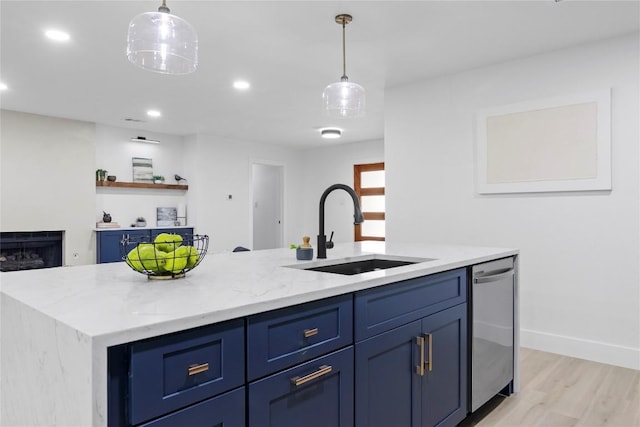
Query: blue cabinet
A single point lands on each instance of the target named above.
(407, 365)
(179, 379)
(318, 393)
(414, 374)
(444, 384)
(175, 371)
(108, 242)
(283, 338)
(387, 386)
(226, 410)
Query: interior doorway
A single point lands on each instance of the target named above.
(267, 205)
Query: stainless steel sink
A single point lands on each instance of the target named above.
(358, 265)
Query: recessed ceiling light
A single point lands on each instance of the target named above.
(241, 85)
(3, 86)
(154, 113)
(57, 35)
(331, 133)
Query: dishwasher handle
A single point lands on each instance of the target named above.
(492, 276)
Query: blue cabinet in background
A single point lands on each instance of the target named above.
(108, 242)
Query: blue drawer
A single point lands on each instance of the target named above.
(226, 410)
(174, 371)
(318, 393)
(381, 309)
(283, 338)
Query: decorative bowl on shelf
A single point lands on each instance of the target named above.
(111, 178)
(168, 256)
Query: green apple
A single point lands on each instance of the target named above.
(166, 242)
(146, 257)
(194, 256)
(176, 261)
(133, 259)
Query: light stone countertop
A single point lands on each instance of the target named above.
(56, 324)
(117, 304)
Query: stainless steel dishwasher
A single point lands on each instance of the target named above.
(492, 345)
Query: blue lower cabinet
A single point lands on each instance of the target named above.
(318, 393)
(387, 388)
(287, 337)
(414, 375)
(175, 371)
(444, 388)
(227, 410)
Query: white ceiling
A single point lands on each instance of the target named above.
(288, 50)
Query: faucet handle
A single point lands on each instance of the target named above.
(330, 242)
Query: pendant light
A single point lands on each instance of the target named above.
(162, 42)
(344, 98)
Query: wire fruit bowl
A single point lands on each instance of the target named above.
(168, 256)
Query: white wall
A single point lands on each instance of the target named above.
(114, 151)
(220, 167)
(48, 180)
(580, 273)
(329, 165)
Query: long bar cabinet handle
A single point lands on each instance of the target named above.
(420, 365)
(429, 362)
(323, 370)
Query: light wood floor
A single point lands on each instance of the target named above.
(563, 391)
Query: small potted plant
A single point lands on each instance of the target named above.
(158, 179)
(304, 252)
(101, 175)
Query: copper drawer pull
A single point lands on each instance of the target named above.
(310, 332)
(196, 369)
(324, 370)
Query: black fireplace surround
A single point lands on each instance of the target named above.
(26, 250)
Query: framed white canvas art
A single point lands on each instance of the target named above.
(558, 144)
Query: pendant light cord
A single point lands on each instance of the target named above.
(344, 52)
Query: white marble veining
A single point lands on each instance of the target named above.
(65, 318)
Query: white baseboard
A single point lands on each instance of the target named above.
(626, 357)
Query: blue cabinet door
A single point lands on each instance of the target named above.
(391, 389)
(283, 338)
(178, 370)
(318, 393)
(226, 410)
(387, 386)
(444, 385)
(109, 242)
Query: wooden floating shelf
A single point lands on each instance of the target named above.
(116, 184)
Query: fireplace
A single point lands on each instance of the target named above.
(26, 250)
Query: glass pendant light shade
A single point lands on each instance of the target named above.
(344, 99)
(164, 43)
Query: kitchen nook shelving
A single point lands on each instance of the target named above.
(118, 184)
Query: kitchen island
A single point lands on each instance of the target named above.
(58, 324)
